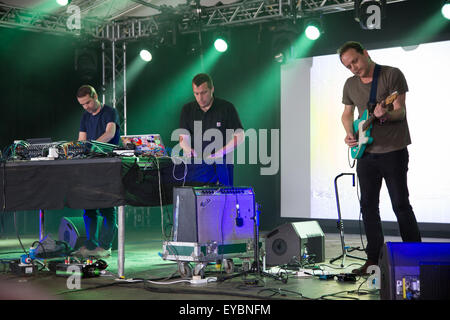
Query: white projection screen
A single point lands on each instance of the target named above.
(313, 152)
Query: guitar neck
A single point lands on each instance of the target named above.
(368, 122)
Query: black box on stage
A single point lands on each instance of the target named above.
(204, 214)
(293, 241)
(73, 231)
(411, 270)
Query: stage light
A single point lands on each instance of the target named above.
(283, 37)
(313, 28)
(86, 63)
(145, 55)
(312, 32)
(221, 45)
(446, 10)
(62, 2)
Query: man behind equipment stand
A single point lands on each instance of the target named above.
(99, 122)
(211, 112)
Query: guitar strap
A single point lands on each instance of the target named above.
(373, 91)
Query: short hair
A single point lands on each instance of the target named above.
(86, 90)
(350, 45)
(201, 78)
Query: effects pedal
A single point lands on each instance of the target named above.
(345, 277)
(87, 269)
(22, 269)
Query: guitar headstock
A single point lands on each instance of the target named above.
(391, 98)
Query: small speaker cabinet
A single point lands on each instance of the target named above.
(292, 241)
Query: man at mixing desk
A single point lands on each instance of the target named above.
(101, 123)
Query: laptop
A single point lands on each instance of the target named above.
(144, 143)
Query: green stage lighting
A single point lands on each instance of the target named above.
(145, 55)
(62, 2)
(312, 32)
(221, 45)
(446, 10)
(313, 29)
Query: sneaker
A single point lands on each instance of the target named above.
(99, 253)
(83, 252)
(363, 269)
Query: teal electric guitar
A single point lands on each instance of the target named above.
(362, 128)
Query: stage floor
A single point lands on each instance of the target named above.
(143, 262)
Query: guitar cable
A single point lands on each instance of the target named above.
(360, 216)
(348, 159)
(359, 201)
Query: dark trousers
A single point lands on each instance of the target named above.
(107, 230)
(392, 167)
(224, 174)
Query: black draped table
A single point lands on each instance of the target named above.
(96, 183)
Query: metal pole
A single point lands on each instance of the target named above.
(121, 241)
(103, 74)
(124, 88)
(201, 50)
(41, 225)
(113, 47)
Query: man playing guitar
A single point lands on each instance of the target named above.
(387, 156)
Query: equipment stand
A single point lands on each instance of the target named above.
(256, 268)
(340, 224)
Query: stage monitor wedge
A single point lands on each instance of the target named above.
(289, 243)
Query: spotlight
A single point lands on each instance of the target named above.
(446, 10)
(313, 29)
(312, 32)
(145, 55)
(283, 37)
(62, 2)
(86, 64)
(221, 40)
(221, 45)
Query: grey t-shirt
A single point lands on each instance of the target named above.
(391, 135)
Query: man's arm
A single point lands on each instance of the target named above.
(82, 136)
(238, 138)
(398, 112)
(347, 120)
(186, 146)
(110, 131)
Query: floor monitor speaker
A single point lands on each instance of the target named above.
(72, 231)
(292, 242)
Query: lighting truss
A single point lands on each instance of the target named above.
(245, 12)
(31, 20)
(128, 29)
(187, 18)
(257, 11)
(114, 86)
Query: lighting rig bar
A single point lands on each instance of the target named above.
(128, 29)
(186, 18)
(14, 17)
(330, 6)
(256, 11)
(245, 12)
(32, 20)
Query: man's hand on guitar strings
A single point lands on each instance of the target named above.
(350, 140)
(380, 110)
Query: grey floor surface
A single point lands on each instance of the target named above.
(149, 277)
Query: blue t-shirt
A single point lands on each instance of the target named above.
(95, 126)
